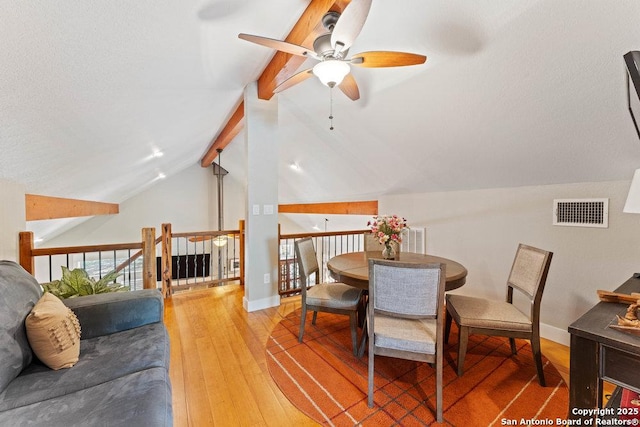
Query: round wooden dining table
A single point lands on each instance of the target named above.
(353, 268)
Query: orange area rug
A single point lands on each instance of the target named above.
(323, 379)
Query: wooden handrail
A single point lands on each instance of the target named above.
(80, 249)
(322, 234)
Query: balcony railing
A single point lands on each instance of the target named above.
(186, 260)
(172, 262)
(201, 258)
(128, 258)
(327, 244)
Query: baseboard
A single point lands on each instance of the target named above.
(561, 336)
(261, 304)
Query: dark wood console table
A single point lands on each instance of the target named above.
(601, 353)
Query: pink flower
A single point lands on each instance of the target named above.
(388, 228)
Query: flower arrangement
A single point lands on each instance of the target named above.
(388, 228)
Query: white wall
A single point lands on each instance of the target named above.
(12, 218)
(481, 229)
(184, 200)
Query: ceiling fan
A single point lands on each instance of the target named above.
(331, 50)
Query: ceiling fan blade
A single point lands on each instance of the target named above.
(294, 80)
(350, 24)
(349, 87)
(291, 48)
(377, 59)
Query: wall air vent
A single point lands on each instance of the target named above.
(581, 212)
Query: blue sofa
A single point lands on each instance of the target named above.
(121, 378)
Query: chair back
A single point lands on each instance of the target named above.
(307, 259)
(406, 289)
(371, 243)
(529, 271)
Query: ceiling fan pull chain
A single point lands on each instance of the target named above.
(331, 108)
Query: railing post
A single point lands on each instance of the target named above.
(26, 246)
(280, 276)
(241, 228)
(149, 258)
(166, 260)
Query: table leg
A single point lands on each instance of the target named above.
(585, 388)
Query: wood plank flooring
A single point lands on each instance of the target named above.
(218, 368)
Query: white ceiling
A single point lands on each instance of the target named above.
(513, 93)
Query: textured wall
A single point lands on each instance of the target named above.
(481, 229)
(12, 215)
(182, 200)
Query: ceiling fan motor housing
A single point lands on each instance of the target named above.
(322, 46)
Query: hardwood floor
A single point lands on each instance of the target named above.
(218, 368)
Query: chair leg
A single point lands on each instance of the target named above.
(537, 357)
(363, 338)
(315, 316)
(353, 317)
(463, 338)
(447, 327)
(303, 318)
(512, 342)
(371, 357)
(439, 387)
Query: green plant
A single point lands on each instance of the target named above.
(76, 282)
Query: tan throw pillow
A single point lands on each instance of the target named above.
(53, 331)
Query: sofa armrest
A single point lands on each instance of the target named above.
(104, 314)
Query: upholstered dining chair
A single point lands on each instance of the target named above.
(337, 298)
(405, 316)
(502, 318)
(371, 243)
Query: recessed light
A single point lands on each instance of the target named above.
(161, 175)
(157, 153)
(295, 166)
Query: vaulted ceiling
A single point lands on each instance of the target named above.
(513, 93)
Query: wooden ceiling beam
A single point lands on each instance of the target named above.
(304, 32)
(281, 67)
(230, 130)
(46, 207)
(336, 208)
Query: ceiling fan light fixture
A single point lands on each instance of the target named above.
(331, 72)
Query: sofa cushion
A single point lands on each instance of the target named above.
(103, 314)
(140, 399)
(102, 359)
(19, 292)
(54, 333)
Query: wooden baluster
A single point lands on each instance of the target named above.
(149, 280)
(26, 246)
(241, 227)
(166, 260)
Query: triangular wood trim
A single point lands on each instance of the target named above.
(338, 208)
(45, 207)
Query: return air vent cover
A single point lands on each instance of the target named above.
(581, 212)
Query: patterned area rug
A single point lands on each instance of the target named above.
(322, 378)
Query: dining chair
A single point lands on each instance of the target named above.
(502, 318)
(371, 243)
(330, 297)
(405, 316)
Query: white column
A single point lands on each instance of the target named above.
(261, 248)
